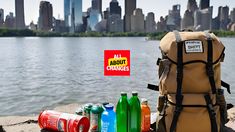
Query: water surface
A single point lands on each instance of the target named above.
(41, 73)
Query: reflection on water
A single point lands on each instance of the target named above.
(39, 73)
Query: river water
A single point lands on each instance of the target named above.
(41, 73)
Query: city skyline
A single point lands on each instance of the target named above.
(157, 7)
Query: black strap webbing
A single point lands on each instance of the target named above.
(212, 113)
(179, 79)
(153, 87)
(209, 65)
(158, 61)
(226, 85)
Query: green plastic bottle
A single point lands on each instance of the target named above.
(122, 110)
(135, 113)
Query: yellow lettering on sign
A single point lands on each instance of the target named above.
(118, 61)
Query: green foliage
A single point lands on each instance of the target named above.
(16, 33)
(222, 33)
(150, 36)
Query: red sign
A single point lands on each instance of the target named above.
(117, 63)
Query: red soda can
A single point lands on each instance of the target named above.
(63, 122)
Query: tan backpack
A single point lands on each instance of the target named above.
(190, 94)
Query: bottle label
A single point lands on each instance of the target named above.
(146, 123)
(105, 126)
(62, 124)
(94, 122)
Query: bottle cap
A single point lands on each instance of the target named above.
(88, 105)
(96, 109)
(144, 101)
(105, 103)
(135, 93)
(109, 106)
(123, 93)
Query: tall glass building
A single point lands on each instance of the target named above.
(1, 17)
(19, 11)
(66, 12)
(76, 15)
(97, 5)
(204, 4)
(115, 8)
(94, 19)
(45, 19)
(130, 6)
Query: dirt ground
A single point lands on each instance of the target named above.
(29, 123)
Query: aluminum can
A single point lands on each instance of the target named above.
(63, 122)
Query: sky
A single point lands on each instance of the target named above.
(158, 7)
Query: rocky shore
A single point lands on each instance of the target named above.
(29, 123)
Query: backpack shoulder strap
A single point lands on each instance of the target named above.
(209, 65)
(179, 96)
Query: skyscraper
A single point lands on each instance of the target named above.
(1, 17)
(10, 21)
(232, 15)
(97, 5)
(174, 18)
(130, 6)
(150, 24)
(224, 18)
(188, 20)
(66, 12)
(192, 5)
(115, 8)
(114, 23)
(19, 11)
(94, 19)
(204, 4)
(203, 19)
(45, 16)
(137, 21)
(76, 15)
(216, 20)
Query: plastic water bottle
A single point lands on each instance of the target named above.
(135, 113)
(108, 119)
(122, 113)
(145, 116)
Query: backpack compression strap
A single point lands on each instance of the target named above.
(209, 65)
(179, 96)
(212, 113)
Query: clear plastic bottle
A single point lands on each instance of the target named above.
(135, 113)
(95, 118)
(108, 119)
(145, 116)
(122, 113)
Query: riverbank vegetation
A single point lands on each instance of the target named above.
(149, 36)
(16, 33)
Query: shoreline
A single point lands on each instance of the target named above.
(29, 124)
(149, 36)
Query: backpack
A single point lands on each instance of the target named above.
(190, 94)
